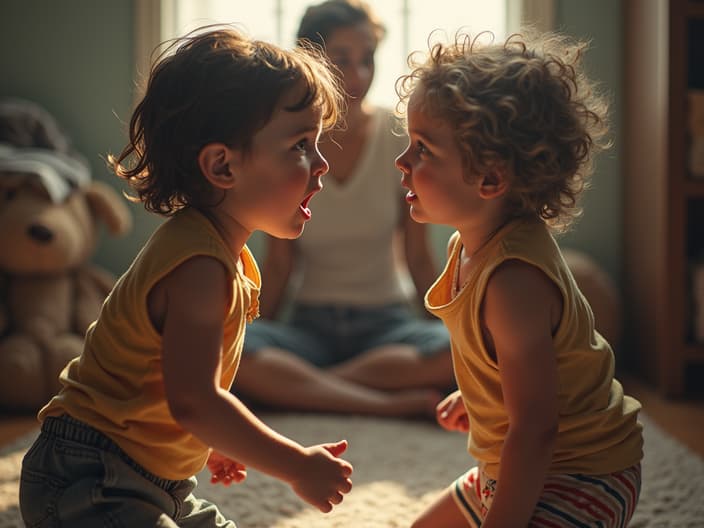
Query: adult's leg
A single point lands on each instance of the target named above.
(398, 367)
(400, 351)
(280, 379)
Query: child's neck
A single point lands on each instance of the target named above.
(475, 237)
(231, 231)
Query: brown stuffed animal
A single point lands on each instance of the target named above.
(601, 293)
(49, 227)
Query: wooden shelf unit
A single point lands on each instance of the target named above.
(663, 203)
(694, 188)
(695, 352)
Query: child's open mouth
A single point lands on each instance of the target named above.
(303, 207)
(410, 196)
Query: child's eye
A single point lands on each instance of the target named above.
(421, 148)
(302, 145)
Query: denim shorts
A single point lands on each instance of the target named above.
(326, 335)
(75, 476)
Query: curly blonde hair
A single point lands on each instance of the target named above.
(214, 86)
(525, 105)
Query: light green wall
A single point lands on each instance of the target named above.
(75, 58)
(599, 231)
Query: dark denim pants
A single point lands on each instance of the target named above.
(75, 476)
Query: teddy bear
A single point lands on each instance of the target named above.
(50, 217)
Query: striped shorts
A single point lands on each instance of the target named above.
(606, 501)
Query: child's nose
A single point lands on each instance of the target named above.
(401, 162)
(321, 166)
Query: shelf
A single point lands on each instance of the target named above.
(695, 9)
(694, 188)
(664, 232)
(694, 352)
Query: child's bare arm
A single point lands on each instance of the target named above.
(196, 294)
(522, 307)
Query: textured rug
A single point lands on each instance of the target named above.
(400, 466)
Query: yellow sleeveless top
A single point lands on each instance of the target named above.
(116, 385)
(598, 428)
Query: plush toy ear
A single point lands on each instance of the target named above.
(494, 183)
(217, 163)
(107, 205)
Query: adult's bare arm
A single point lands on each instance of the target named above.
(276, 272)
(418, 254)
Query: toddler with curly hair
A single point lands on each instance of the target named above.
(502, 136)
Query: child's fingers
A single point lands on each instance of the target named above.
(442, 406)
(446, 408)
(238, 475)
(463, 423)
(323, 506)
(445, 424)
(336, 449)
(444, 417)
(225, 470)
(336, 498)
(454, 417)
(346, 486)
(236, 466)
(229, 476)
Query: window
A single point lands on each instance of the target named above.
(408, 23)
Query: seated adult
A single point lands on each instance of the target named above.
(354, 342)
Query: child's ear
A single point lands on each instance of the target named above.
(494, 183)
(217, 162)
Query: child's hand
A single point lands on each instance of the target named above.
(225, 469)
(325, 477)
(452, 414)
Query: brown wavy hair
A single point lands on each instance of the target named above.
(213, 86)
(526, 105)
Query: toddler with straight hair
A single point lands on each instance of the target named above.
(224, 142)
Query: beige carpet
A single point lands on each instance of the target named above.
(399, 468)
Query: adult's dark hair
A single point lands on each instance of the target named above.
(320, 20)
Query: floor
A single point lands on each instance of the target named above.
(683, 419)
(15, 425)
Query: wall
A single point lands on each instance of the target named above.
(599, 231)
(75, 58)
